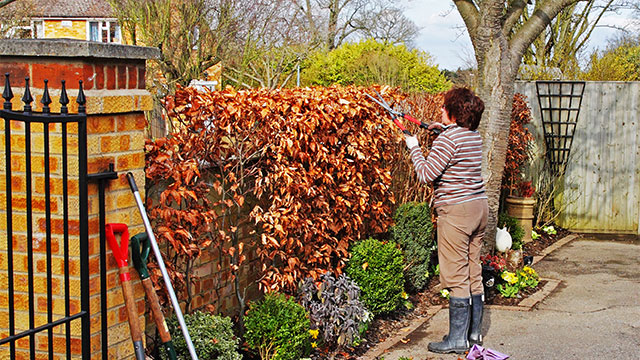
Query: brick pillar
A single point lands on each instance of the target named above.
(114, 83)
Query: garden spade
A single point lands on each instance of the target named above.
(140, 249)
(163, 269)
(121, 253)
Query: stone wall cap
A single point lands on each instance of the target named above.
(74, 48)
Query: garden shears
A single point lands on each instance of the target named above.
(140, 249)
(121, 253)
(395, 115)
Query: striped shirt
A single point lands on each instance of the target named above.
(454, 165)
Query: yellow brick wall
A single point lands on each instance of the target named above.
(54, 29)
(115, 126)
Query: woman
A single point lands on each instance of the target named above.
(454, 167)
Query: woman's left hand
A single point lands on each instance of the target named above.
(412, 141)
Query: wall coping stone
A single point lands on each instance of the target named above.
(75, 48)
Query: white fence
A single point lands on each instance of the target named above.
(602, 180)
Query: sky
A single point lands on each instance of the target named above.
(443, 36)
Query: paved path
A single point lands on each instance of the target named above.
(593, 314)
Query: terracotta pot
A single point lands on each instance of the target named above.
(522, 209)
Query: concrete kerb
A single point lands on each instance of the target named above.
(524, 305)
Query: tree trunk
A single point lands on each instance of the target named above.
(496, 77)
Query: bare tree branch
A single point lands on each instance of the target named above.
(514, 13)
(470, 15)
(540, 19)
(5, 2)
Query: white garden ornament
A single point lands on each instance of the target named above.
(503, 240)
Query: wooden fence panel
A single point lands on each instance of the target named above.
(602, 181)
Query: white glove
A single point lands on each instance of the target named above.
(412, 141)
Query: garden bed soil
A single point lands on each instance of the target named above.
(390, 325)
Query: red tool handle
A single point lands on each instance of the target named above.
(412, 119)
(399, 124)
(120, 251)
(422, 124)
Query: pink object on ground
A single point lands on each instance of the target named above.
(477, 352)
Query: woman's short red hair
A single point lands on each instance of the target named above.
(464, 106)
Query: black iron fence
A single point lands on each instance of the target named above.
(44, 267)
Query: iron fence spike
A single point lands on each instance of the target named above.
(46, 99)
(7, 94)
(27, 98)
(81, 100)
(64, 99)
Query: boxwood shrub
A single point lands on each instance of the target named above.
(278, 328)
(377, 268)
(413, 231)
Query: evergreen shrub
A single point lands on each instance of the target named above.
(277, 328)
(377, 268)
(413, 231)
(212, 336)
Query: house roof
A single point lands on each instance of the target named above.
(72, 8)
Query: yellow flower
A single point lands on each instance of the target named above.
(314, 344)
(404, 295)
(314, 334)
(529, 270)
(509, 277)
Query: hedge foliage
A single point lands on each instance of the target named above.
(414, 232)
(316, 163)
(377, 267)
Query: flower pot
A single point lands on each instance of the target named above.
(522, 209)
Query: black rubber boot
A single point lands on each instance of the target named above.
(456, 341)
(475, 328)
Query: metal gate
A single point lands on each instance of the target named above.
(44, 261)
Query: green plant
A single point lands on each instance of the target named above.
(377, 268)
(277, 328)
(335, 308)
(527, 277)
(212, 336)
(413, 231)
(513, 227)
(508, 290)
(513, 282)
(550, 230)
(445, 293)
(371, 62)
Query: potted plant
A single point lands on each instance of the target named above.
(521, 208)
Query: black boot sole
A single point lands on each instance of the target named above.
(457, 351)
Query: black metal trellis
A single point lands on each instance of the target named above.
(560, 103)
(73, 220)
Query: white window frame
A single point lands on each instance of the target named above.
(104, 25)
(34, 30)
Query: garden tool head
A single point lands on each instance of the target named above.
(140, 249)
(396, 115)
